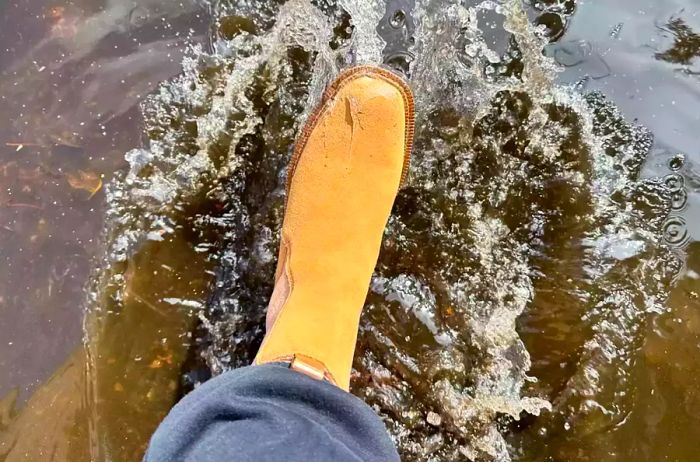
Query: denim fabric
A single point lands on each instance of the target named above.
(270, 413)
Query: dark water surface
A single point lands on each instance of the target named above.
(537, 293)
(72, 77)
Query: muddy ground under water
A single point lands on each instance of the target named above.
(543, 257)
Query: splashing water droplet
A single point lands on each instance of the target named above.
(676, 162)
(676, 232)
(674, 182)
(679, 200)
(398, 19)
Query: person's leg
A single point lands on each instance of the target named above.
(270, 413)
(293, 404)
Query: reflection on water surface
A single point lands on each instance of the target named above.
(535, 297)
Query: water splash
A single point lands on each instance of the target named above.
(524, 197)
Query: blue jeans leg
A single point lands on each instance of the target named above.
(270, 413)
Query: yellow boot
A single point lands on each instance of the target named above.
(347, 167)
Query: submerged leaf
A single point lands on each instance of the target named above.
(85, 180)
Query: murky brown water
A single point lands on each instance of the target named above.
(547, 232)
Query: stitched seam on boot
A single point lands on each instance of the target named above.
(290, 281)
(283, 262)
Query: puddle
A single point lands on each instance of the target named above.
(535, 296)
